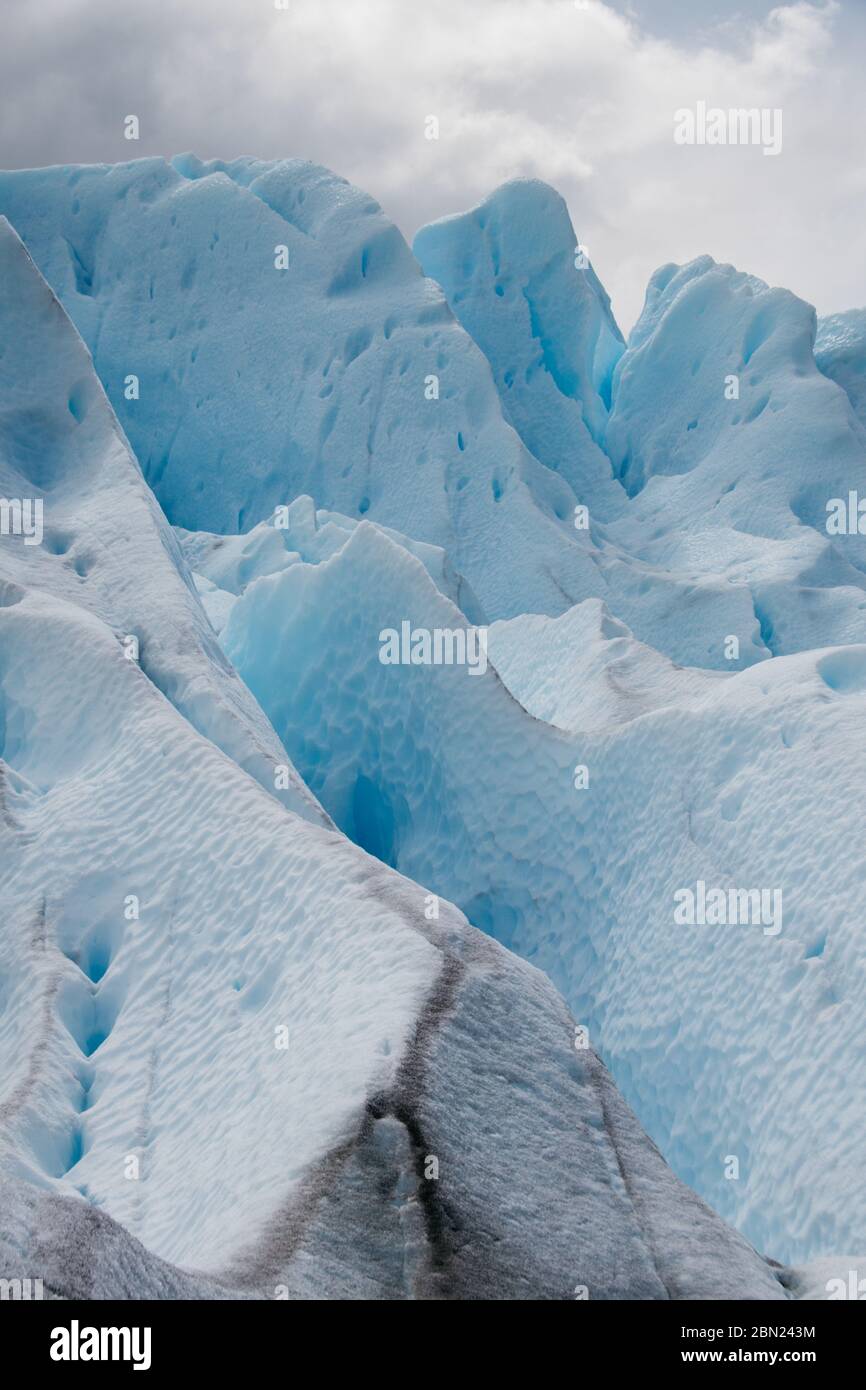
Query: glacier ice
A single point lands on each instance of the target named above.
(257, 384)
(223, 566)
(105, 537)
(452, 782)
(740, 485)
(508, 271)
(840, 352)
(584, 670)
(275, 913)
(320, 380)
(726, 439)
(167, 923)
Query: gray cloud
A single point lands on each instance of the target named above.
(582, 98)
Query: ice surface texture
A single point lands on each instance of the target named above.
(148, 1035)
(302, 902)
(259, 384)
(717, 502)
(694, 776)
(106, 542)
(840, 352)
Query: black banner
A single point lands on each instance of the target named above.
(66, 1338)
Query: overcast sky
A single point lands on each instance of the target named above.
(582, 97)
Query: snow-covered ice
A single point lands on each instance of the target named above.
(508, 270)
(840, 352)
(723, 440)
(106, 543)
(584, 670)
(258, 383)
(449, 779)
(308, 960)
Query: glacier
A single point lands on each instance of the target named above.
(104, 530)
(721, 498)
(325, 978)
(451, 781)
(840, 353)
(317, 379)
(310, 379)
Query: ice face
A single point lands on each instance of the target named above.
(106, 544)
(707, 452)
(346, 377)
(733, 447)
(341, 374)
(241, 1058)
(585, 670)
(521, 283)
(569, 845)
(664, 730)
(840, 352)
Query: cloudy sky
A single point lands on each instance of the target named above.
(578, 92)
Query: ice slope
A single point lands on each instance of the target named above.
(739, 487)
(124, 784)
(259, 384)
(726, 1040)
(149, 1034)
(223, 565)
(840, 352)
(106, 545)
(709, 490)
(584, 669)
(164, 921)
(152, 1038)
(519, 281)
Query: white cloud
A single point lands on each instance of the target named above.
(584, 99)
